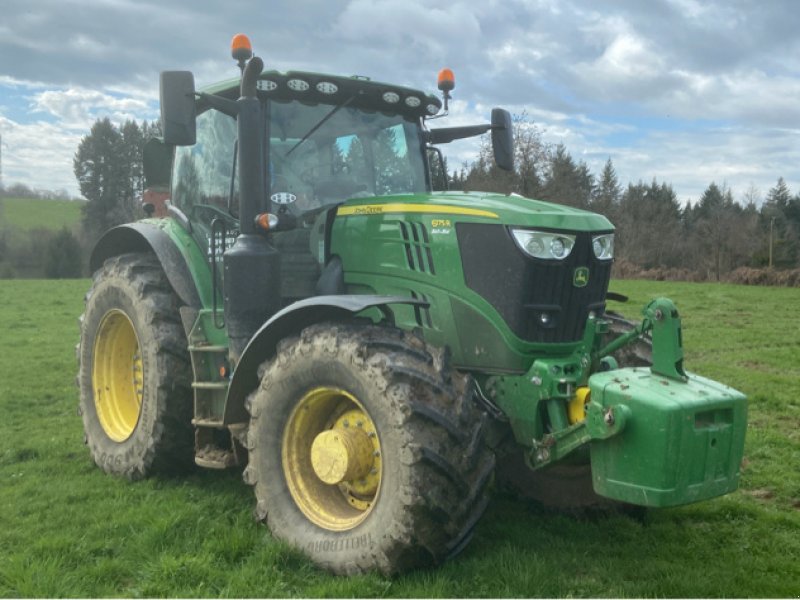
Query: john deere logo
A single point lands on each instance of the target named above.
(581, 277)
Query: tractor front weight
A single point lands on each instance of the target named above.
(658, 436)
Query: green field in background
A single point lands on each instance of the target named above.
(30, 213)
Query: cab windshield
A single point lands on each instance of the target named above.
(323, 154)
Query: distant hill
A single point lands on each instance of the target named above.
(31, 213)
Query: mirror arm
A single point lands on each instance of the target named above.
(446, 135)
(223, 105)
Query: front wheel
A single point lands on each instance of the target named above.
(366, 450)
(134, 372)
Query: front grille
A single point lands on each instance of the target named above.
(522, 288)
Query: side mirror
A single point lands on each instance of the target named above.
(502, 139)
(157, 163)
(178, 113)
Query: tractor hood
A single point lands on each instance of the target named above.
(492, 208)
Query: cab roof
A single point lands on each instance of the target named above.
(319, 88)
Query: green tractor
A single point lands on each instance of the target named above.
(371, 352)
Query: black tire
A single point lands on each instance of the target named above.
(638, 353)
(564, 487)
(435, 467)
(567, 485)
(159, 435)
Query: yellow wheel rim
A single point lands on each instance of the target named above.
(331, 456)
(117, 376)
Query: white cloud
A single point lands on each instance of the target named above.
(601, 80)
(38, 150)
(691, 160)
(77, 108)
(89, 46)
(406, 25)
(39, 155)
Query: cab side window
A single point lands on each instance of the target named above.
(394, 173)
(202, 174)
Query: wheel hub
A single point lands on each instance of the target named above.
(339, 455)
(331, 459)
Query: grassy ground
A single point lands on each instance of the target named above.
(66, 529)
(27, 213)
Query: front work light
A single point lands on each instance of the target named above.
(603, 246)
(544, 244)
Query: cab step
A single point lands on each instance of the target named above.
(216, 447)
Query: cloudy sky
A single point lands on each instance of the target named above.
(686, 91)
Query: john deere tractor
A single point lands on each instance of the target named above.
(367, 350)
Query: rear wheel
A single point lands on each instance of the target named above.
(366, 450)
(567, 485)
(134, 372)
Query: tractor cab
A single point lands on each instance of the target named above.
(324, 140)
(354, 138)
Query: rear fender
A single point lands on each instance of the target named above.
(291, 321)
(144, 237)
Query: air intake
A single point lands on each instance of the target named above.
(418, 247)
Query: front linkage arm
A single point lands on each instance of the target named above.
(563, 386)
(662, 321)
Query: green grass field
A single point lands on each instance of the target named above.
(66, 529)
(27, 213)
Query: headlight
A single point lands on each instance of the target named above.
(544, 244)
(603, 246)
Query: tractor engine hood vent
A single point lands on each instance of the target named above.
(417, 246)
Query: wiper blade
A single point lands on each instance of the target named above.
(322, 121)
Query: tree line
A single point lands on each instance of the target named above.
(41, 251)
(110, 172)
(710, 237)
(108, 168)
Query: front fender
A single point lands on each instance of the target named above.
(291, 321)
(145, 237)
